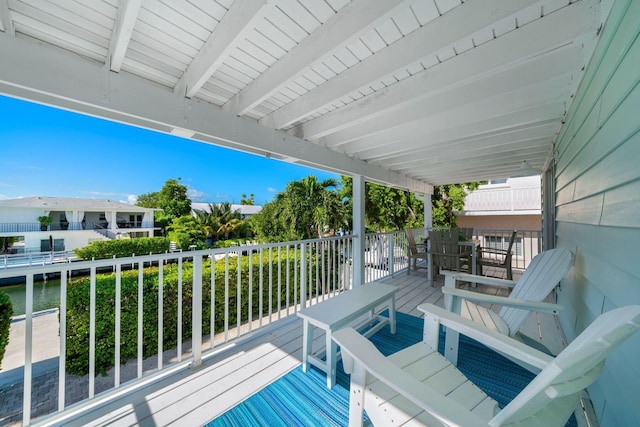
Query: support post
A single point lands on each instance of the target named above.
(358, 230)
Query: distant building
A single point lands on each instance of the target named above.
(497, 208)
(72, 223)
(246, 211)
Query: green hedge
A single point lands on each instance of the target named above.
(121, 248)
(78, 307)
(6, 311)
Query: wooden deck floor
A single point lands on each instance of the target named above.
(192, 397)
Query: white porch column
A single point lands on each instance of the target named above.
(428, 224)
(358, 230)
(113, 217)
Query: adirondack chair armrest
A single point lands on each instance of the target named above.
(539, 306)
(359, 354)
(436, 316)
(452, 277)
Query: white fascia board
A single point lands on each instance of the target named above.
(56, 77)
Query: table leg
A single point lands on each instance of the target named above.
(307, 340)
(332, 350)
(392, 315)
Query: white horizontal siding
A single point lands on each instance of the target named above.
(598, 204)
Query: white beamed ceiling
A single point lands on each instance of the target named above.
(408, 93)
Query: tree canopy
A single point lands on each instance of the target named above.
(307, 208)
(172, 199)
(447, 200)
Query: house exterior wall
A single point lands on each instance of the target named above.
(500, 222)
(597, 187)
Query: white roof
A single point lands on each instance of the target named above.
(410, 93)
(69, 203)
(244, 209)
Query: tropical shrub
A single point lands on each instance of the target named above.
(273, 296)
(121, 248)
(6, 311)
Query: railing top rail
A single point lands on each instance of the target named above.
(109, 262)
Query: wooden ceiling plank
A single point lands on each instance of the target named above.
(508, 51)
(234, 27)
(352, 21)
(449, 28)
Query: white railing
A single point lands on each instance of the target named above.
(248, 288)
(507, 199)
(36, 258)
(528, 243)
(162, 319)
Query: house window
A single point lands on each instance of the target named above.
(58, 245)
(502, 242)
(135, 220)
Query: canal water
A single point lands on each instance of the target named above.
(46, 295)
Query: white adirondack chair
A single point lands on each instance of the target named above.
(544, 272)
(420, 386)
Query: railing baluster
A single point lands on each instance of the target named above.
(196, 311)
(118, 318)
(179, 314)
(270, 282)
(226, 297)
(160, 313)
(140, 317)
(250, 311)
(28, 351)
(92, 332)
(303, 276)
(63, 340)
(287, 284)
(212, 328)
(260, 288)
(239, 294)
(295, 277)
(279, 281)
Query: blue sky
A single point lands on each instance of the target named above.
(50, 152)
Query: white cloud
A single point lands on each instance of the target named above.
(194, 194)
(272, 190)
(132, 199)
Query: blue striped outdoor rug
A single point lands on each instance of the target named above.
(299, 399)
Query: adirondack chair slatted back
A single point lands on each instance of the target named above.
(553, 394)
(543, 274)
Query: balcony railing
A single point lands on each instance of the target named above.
(22, 227)
(503, 199)
(168, 311)
(199, 301)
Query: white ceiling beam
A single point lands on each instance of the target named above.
(6, 24)
(465, 132)
(510, 50)
(234, 27)
(351, 22)
(499, 166)
(476, 144)
(465, 19)
(525, 98)
(77, 84)
(126, 18)
(506, 83)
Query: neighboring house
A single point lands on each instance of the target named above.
(246, 211)
(505, 205)
(74, 222)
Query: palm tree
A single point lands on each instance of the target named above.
(311, 208)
